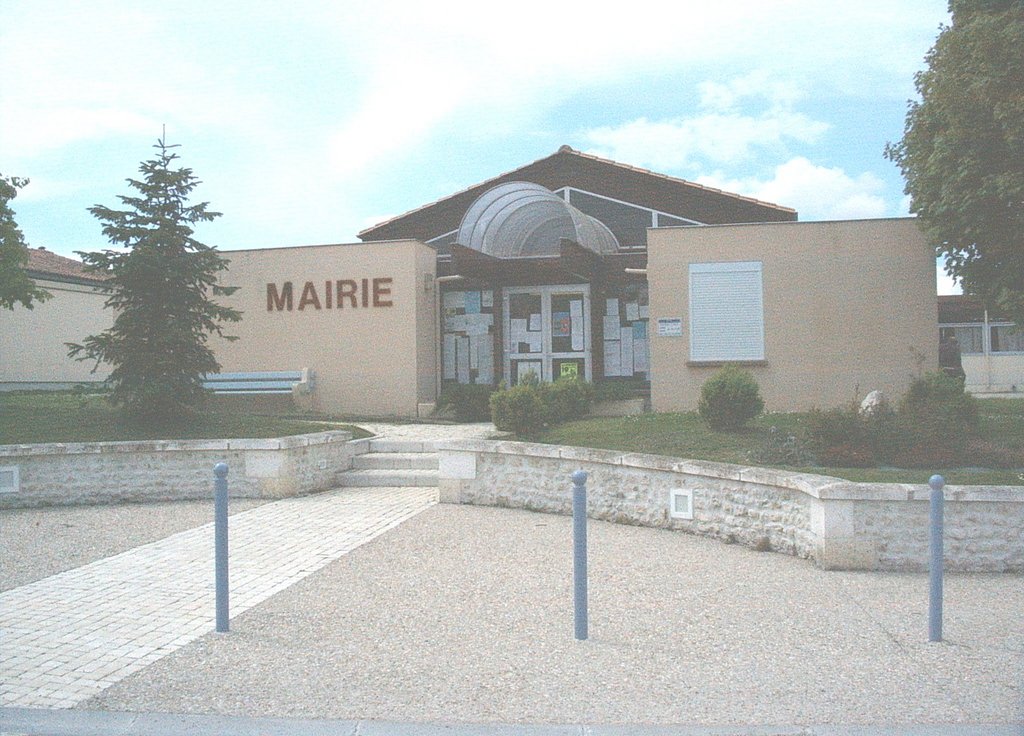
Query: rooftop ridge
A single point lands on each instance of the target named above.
(565, 149)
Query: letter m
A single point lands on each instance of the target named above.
(280, 301)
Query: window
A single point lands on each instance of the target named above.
(726, 312)
(1006, 339)
(969, 337)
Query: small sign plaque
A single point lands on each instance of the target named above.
(670, 327)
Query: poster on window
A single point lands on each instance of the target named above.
(561, 324)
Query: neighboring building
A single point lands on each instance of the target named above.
(991, 347)
(578, 266)
(32, 350)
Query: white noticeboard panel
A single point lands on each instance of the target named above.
(474, 351)
(640, 362)
(626, 366)
(463, 360)
(485, 372)
(576, 312)
(670, 327)
(454, 299)
(449, 357)
(612, 358)
(529, 366)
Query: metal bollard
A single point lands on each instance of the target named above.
(579, 551)
(220, 523)
(935, 549)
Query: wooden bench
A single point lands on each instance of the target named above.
(260, 382)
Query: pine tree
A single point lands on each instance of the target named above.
(15, 285)
(161, 288)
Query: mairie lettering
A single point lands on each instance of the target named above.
(336, 294)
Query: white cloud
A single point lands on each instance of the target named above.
(462, 66)
(721, 133)
(816, 192)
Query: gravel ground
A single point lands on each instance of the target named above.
(464, 614)
(41, 542)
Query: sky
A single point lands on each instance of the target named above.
(307, 122)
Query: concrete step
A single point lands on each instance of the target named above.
(395, 460)
(385, 477)
(403, 446)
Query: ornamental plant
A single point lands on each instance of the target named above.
(729, 399)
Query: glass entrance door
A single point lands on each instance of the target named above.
(547, 332)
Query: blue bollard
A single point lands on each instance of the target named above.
(935, 549)
(220, 523)
(579, 551)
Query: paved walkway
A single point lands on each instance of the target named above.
(69, 636)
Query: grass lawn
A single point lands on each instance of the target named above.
(686, 436)
(32, 417)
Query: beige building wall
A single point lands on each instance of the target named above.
(367, 360)
(849, 307)
(32, 350)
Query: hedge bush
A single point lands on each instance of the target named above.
(532, 406)
(729, 399)
(937, 419)
(845, 438)
(931, 429)
(518, 409)
(566, 399)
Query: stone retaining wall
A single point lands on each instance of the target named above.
(109, 472)
(837, 523)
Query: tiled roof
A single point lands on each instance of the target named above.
(569, 167)
(42, 262)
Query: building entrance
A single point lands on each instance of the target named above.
(547, 332)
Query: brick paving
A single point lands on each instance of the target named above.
(67, 637)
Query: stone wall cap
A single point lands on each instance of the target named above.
(136, 446)
(818, 486)
(590, 455)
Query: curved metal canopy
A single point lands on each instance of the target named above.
(520, 219)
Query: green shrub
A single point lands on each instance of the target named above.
(936, 420)
(566, 399)
(532, 406)
(518, 409)
(780, 448)
(470, 402)
(844, 438)
(840, 438)
(729, 399)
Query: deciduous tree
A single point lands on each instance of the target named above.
(162, 288)
(962, 152)
(15, 285)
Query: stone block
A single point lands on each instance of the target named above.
(457, 465)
